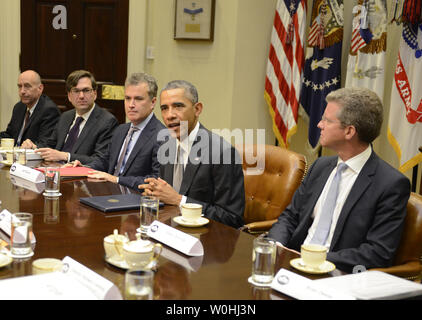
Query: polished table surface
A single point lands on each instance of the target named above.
(77, 231)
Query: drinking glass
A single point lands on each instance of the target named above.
(139, 284)
(263, 260)
(148, 212)
(20, 238)
(52, 182)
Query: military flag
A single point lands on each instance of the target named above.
(366, 63)
(322, 72)
(405, 119)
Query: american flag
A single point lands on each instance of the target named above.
(360, 37)
(285, 67)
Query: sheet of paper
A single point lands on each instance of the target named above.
(373, 285)
(176, 239)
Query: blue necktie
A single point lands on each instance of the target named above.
(324, 224)
(123, 154)
(73, 135)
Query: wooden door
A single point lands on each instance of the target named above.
(95, 39)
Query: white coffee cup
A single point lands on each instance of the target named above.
(313, 255)
(191, 212)
(141, 253)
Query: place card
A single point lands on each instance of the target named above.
(23, 183)
(6, 224)
(176, 239)
(74, 282)
(26, 173)
(302, 288)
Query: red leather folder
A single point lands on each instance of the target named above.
(72, 171)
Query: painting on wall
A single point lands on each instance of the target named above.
(194, 20)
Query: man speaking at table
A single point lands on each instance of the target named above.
(83, 132)
(132, 153)
(353, 203)
(193, 167)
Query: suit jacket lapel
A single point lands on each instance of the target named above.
(143, 140)
(92, 120)
(359, 187)
(192, 167)
(315, 193)
(63, 131)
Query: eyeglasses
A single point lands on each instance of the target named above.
(85, 91)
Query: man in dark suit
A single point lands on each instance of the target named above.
(85, 131)
(35, 116)
(132, 153)
(197, 166)
(364, 224)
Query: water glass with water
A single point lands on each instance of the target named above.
(263, 260)
(20, 238)
(149, 212)
(139, 284)
(52, 181)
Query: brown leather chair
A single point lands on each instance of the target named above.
(407, 263)
(268, 194)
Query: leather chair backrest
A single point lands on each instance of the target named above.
(269, 193)
(410, 248)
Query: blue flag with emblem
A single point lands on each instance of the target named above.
(322, 72)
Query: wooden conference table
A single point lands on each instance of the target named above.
(77, 231)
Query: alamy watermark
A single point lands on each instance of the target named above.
(215, 147)
(60, 20)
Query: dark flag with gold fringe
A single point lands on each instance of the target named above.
(322, 72)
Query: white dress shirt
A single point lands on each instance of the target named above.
(348, 178)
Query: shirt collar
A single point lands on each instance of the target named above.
(144, 123)
(357, 162)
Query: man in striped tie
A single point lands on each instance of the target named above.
(353, 203)
(132, 153)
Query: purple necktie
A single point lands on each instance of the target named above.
(73, 135)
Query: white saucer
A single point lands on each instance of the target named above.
(5, 260)
(122, 264)
(51, 195)
(199, 223)
(257, 284)
(326, 267)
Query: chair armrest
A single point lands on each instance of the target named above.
(410, 270)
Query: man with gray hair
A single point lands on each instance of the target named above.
(35, 116)
(197, 166)
(132, 152)
(354, 203)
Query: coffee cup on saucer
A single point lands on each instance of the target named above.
(313, 255)
(113, 245)
(191, 212)
(141, 253)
